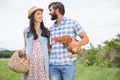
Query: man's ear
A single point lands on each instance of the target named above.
(57, 11)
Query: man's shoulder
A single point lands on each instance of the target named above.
(53, 25)
(70, 20)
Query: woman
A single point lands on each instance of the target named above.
(36, 42)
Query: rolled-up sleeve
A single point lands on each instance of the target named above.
(77, 28)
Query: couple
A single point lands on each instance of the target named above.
(37, 38)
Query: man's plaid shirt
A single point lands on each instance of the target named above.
(59, 54)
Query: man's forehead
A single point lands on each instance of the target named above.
(51, 7)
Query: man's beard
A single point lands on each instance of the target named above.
(54, 16)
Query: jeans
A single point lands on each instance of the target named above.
(62, 72)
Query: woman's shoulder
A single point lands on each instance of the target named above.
(26, 29)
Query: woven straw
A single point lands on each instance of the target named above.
(15, 64)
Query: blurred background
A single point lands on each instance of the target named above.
(99, 18)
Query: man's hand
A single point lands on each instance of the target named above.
(73, 44)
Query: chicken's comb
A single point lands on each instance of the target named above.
(55, 39)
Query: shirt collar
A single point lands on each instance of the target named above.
(61, 22)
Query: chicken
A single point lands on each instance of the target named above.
(66, 40)
(22, 55)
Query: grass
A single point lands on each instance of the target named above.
(83, 73)
(97, 73)
(6, 73)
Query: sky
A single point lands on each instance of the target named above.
(99, 18)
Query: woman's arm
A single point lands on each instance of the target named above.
(49, 45)
(24, 41)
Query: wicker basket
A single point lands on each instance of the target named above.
(15, 64)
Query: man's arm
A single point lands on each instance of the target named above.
(84, 40)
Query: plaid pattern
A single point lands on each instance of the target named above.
(59, 54)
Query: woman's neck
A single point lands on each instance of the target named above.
(37, 27)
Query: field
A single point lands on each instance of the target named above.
(83, 73)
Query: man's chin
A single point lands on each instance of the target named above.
(53, 19)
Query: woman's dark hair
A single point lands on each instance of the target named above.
(58, 5)
(45, 31)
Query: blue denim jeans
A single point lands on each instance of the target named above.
(62, 72)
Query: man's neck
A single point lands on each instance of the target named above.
(59, 20)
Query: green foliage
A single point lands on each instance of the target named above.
(91, 55)
(114, 44)
(103, 56)
(6, 54)
(112, 51)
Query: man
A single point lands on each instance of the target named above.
(62, 66)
